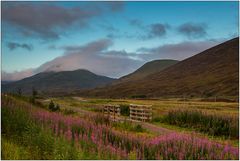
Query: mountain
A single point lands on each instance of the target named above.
(213, 72)
(6, 82)
(148, 69)
(58, 82)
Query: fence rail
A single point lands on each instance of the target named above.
(113, 111)
(140, 112)
(137, 112)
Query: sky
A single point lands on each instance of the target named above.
(108, 38)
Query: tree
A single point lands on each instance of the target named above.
(34, 92)
(51, 106)
(19, 91)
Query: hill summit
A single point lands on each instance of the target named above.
(58, 82)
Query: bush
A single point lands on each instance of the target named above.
(125, 110)
(52, 107)
(157, 119)
(138, 128)
(212, 124)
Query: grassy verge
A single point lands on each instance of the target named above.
(220, 139)
(52, 135)
(212, 124)
(22, 138)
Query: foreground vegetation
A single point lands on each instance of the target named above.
(53, 135)
(213, 124)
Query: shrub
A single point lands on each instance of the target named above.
(53, 107)
(157, 119)
(125, 110)
(208, 123)
(138, 128)
(19, 91)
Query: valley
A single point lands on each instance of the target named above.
(194, 111)
(120, 80)
(78, 114)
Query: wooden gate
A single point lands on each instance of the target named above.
(141, 112)
(113, 111)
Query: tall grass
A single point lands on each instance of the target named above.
(213, 124)
(56, 136)
(24, 138)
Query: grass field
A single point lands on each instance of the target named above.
(80, 131)
(160, 109)
(159, 106)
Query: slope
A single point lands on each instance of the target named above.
(56, 82)
(148, 69)
(213, 72)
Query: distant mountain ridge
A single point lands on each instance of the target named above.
(212, 72)
(148, 69)
(58, 82)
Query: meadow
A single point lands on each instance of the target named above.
(80, 131)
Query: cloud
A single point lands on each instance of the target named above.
(92, 47)
(177, 51)
(136, 22)
(17, 75)
(192, 30)
(45, 20)
(157, 30)
(96, 57)
(13, 46)
(93, 56)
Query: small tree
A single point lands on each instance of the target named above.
(34, 92)
(51, 106)
(19, 91)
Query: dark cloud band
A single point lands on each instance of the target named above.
(48, 21)
(192, 30)
(13, 46)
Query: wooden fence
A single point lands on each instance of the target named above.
(137, 112)
(112, 111)
(140, 112)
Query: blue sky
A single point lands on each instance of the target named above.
(108, 38)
